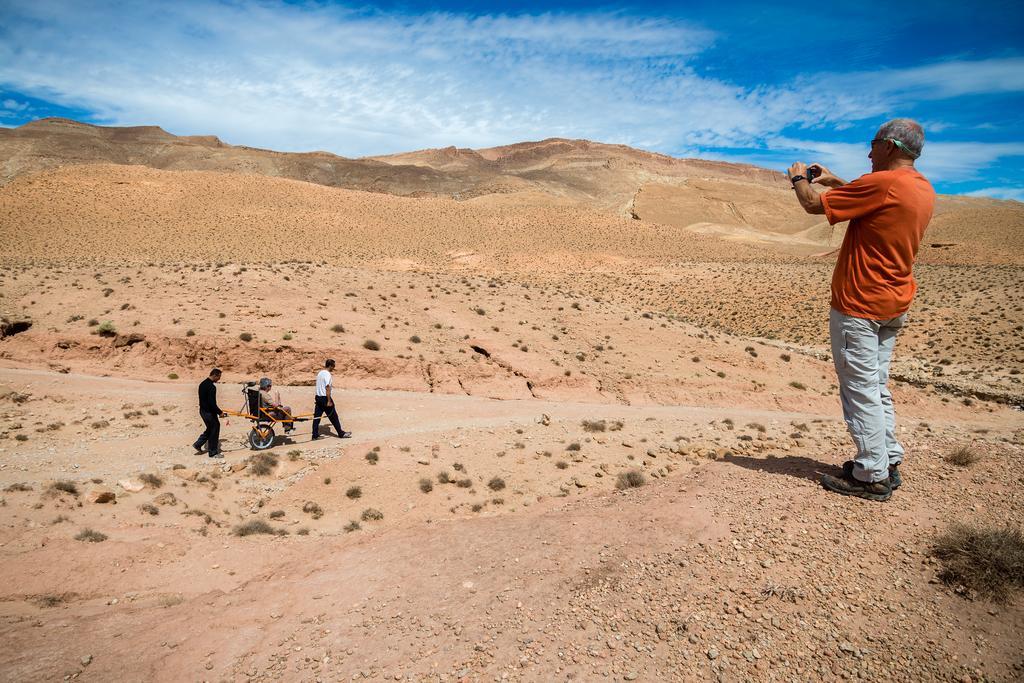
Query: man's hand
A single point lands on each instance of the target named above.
(809, 199)
(827, 177)
(330, 401)
(223, 414)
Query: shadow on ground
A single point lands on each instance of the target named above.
(791, 465)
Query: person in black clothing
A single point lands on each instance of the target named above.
(211, 414)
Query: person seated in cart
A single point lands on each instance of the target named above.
(271, 402)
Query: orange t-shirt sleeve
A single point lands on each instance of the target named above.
(853, 200)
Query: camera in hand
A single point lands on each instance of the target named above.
(813, 172)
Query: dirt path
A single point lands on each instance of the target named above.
(730, 563)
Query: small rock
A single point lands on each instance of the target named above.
(86, 660)
(130, 339)
(102, 496)
(712, 653)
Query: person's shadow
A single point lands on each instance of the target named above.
(792, 465)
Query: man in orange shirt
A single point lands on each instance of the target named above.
(872, 287)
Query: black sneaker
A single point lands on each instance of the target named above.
(848, 486)
(217, 455)
(895, 480)
(198, 449)
(345, 435)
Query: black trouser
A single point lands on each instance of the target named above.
(212, 433)
(321, 408)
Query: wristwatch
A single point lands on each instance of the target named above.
(795, 178)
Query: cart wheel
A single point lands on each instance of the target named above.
(261, 437)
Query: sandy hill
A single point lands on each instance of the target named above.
(141, 214)
(49, 143)
(732, 202)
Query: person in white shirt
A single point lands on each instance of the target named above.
(324, 402)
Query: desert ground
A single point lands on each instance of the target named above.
(590, 395)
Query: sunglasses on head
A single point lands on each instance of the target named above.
(898, 144)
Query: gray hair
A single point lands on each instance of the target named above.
(265, 383)
(907, 131)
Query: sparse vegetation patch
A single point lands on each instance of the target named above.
(257, 526)
(983, 561)
(90, 536)
(262, 464)
(962, 456)
(630, 480)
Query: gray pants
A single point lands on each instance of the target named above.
(861, 351)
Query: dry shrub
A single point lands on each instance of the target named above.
(630, 480)
(152, 480)
(313, 509)
(48, 600)
(90, 536)
(371, 515)
(262, 464)
(196, 512)
(496, 484)
(984, 561)
(257, 526)
(64, 486)
(354, 492)
(352, 526)
(21, 486)
(426, 485)
(594, 425)
(963, 456)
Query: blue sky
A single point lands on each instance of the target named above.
(736, 81)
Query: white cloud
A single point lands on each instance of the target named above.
(311, 76)
(13, 105)
(940, 162)
(964, 160)
(328, 78)
(952, 78)
(1014, 193)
